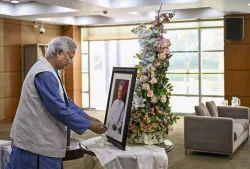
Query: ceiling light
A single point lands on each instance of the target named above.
(14, 1)
(248, 4)
(134, 13)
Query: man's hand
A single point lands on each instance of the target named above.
(98, 127)
(114, 127)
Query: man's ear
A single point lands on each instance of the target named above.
(58, 53)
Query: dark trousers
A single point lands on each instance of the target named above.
(22, 159)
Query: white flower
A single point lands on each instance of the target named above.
(144, 61)
(138, 102)
(136, 30)
(137, 82)
(149, 65)
(145, 70)
(142, 35)
(141, 41)
(153, 40)
(143, 55)
(151, 59)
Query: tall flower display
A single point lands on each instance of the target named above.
(151, 116)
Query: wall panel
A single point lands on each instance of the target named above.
(237, 64)
(14, 34)
(73, 77)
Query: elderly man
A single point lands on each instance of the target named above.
(44, 111)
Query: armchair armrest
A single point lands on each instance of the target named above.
(233, 112)
(212, 134)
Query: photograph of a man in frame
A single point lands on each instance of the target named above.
(117, 110)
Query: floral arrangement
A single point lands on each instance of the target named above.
(151, 116)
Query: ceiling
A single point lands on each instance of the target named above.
(91, 12)
(21, 1)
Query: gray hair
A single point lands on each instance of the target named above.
(60, 43)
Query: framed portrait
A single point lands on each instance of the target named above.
(119, 104)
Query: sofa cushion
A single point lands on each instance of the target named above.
(212, 108)
(243, 122)
(201, 110)
(238, 130)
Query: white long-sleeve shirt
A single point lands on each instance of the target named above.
(116, 114)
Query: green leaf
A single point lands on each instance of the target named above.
(138, 56)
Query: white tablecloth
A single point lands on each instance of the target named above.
(5, 150)
(135, 156)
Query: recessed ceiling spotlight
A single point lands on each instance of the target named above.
(15, 1)
(248, 4)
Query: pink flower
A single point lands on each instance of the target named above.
(152, 74)
(161, 27)
(157, 46)
(145, 86)
(153, 99)
(155, 24)
(164, 45)
(162, 56)
(144, 78)
(157, 64)
(163, 98)
(166, 42)
(152, 69)
(153, 80)
(166, 19)
(164, 15)
(166, 50)
(150, 93)
(152, 111)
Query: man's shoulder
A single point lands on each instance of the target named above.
(45, 74)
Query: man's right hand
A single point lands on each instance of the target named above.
(114, 127)
(98, 127)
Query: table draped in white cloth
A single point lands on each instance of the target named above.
(134, 157)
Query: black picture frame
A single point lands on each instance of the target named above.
(121, 92)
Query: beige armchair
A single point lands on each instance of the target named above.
(222, 133)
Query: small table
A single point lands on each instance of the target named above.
(136, 155)
(167, 145)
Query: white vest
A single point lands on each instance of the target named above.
(34, 129)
